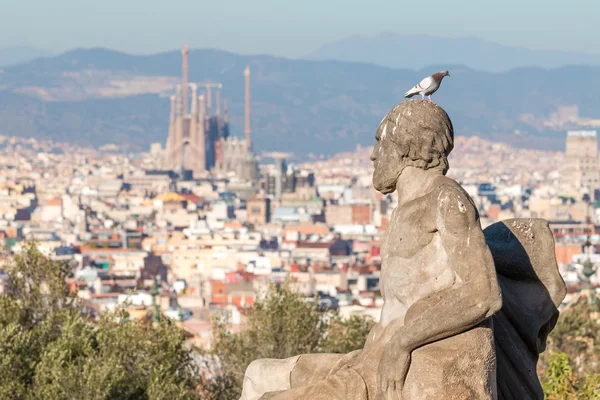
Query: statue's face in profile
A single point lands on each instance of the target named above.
(386, 161)
(414, 134)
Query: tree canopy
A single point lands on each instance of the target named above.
(282, 324)
(50, 350)
(571, 363)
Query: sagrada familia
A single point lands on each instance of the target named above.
(198, 140)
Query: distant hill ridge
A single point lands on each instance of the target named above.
(19, 54)
(99, 96)
(415, 51)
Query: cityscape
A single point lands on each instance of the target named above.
(215, 225)
(202, 221)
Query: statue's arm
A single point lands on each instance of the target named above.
(475, 295)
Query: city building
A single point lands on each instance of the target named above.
(258, 211)
(199, 141)
(581, 170)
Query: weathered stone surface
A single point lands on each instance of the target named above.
(435, 339)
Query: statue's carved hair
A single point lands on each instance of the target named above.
(422, 132)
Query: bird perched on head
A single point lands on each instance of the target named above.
(428, 86)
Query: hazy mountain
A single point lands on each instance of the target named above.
(98, 96)
(19, 54)
(417, 51)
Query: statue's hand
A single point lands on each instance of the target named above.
(392, 370)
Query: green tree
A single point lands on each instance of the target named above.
(590, 387)
(560, 383)
(49, 350)
(346, 334)
(571, 363)
(282, 324)
(576, 334)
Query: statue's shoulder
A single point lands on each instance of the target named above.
(447, 190)
(454, 205)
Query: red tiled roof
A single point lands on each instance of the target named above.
(104, 295)
(307, 229)
(192, 198)
(57, 201)
(233, 224)
(315, 245)
(88, 249)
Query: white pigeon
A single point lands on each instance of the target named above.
(428, 86)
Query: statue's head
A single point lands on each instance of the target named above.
(414, 133)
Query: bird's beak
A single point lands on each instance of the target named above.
(448, 73)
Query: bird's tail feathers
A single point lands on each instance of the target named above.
(412, 92)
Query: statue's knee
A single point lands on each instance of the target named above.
(267, 375)
(251, 387)
(265, 368)
(271, 369)
(255, 368)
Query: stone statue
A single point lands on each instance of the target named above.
(466, 311)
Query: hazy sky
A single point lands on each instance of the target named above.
(291, 27)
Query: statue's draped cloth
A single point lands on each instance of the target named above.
(532, 289)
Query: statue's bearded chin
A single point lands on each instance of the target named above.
(385, 182)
